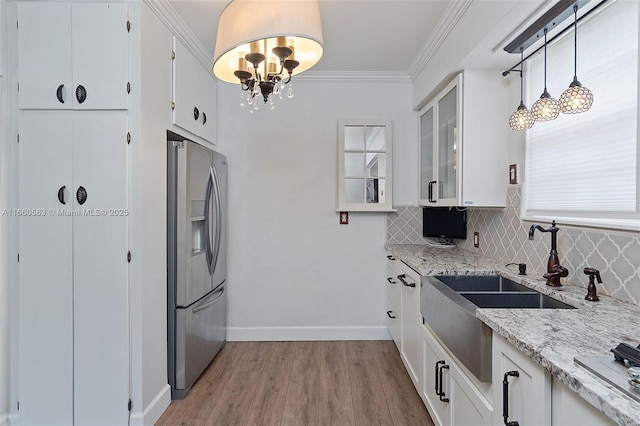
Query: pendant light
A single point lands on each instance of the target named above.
(576, 98)
(262, 44)
(521, 119)
(546, 108)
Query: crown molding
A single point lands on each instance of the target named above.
(450, 18)
(179, 28)
(353, 77)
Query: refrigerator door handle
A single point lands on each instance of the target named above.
(218, 237)
(207, 219)
(206, 305)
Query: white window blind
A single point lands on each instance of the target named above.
(583, 168)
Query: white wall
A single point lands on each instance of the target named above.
(8, 223)
(293, 271)
(4, 230)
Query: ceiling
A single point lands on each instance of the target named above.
(359, 35)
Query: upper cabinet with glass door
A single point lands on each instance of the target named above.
(365, 159)
(463, 143)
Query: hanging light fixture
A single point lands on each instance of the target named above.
(258, 40)
(546, 108)
(576, 98)
(521, 119)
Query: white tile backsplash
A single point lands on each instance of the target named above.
(503, 236)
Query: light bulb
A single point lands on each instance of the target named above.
(290, 91)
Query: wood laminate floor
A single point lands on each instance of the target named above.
(302, 383)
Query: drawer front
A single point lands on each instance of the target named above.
(394, 323)
(393, 287)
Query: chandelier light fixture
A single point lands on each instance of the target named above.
(546, 108)
(521, 119)
(576, 98)
(261, 44)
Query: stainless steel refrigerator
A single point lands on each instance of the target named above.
(196, 260)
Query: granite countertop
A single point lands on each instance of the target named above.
(552, 337)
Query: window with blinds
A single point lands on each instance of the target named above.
(583, 168)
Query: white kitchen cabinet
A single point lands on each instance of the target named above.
(403, 298)
(527, 395)
(569, 409)
(463, 143)
(194, 94)
(451, 397)
(394, 311)
(73, 271)
(73, 55)
(411, 320)
(433, 358)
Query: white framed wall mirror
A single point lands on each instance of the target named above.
(365, 166)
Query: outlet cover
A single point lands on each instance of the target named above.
(344, 218)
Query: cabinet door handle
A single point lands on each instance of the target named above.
(390, 316)
(441, 392)
(431, 200)
(401, 277)
(81, 93)
(196, 113)
(389, 279)
(437, 382)
(204, 118)
(390, 257)
(61, 194)
(505, 397)
(81, 195)
(59, 94)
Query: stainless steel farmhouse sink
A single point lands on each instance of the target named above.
(449, 302)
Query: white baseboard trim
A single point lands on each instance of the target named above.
(154, 410)
(262, 334)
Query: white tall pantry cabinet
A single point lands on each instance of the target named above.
(90, 326)
(73, 330)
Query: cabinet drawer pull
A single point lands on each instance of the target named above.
(390, 257)
(81, 93)
(204, 118)
(196, 113)
(441, 392)
(390, 316)
(59, 94)
(61, 194)
(81, 195)
(390, 280)
(436, 380)
(401, 277)
(505, 397)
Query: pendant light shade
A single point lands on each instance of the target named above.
(259, 26)
(546, 108)
(576, 98)
(521, 119)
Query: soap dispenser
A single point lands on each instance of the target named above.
(591, 289)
